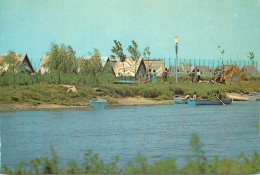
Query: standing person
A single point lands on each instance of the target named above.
(154, 76)
(193, 75)
(165, 75)
(178, 75)
(218, 76)
(188, 76)
(198, 75)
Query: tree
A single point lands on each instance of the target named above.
(118, 51)
(135, 54)
(222, 56)
(251, 57)
(13, 64)
(61, 59)
(146, 55)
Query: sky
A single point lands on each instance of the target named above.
(30, 26)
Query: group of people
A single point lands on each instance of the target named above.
(195, 96)
(152, 76)
(194, 76)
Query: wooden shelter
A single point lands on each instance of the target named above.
(130, 68)
(250, 70)
(42, 68)
(157, 65)
(22, 58)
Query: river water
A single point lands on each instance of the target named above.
(156, 132)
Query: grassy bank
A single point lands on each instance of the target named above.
(197, 163)
(43, 93)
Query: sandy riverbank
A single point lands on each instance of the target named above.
(117, 102)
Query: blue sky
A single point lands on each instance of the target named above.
(30, 26)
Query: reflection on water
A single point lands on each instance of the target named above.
(157, 132)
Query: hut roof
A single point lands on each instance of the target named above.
(157, 65)
(131, 67)
(42, 68)
(233, 71)
(20, 58)
(250, 70)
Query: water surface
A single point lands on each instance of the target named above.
(157, 132)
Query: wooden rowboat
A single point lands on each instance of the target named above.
(226, 101)
(98, 103)
(180, 100)
(241, 97)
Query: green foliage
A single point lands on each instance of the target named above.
(62, 59)
(118, 51)
(251, 56)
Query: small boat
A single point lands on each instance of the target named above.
(98, 103)
(125, 82)
(180, 100)
(226, 101)
(241, 97)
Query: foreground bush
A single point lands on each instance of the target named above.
(196, 164)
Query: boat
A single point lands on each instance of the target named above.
(226, 101)
(180, 100)
(98, 103)
(125, 82)
(242, 97)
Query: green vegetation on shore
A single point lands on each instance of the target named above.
(197, 163)
(44, 93)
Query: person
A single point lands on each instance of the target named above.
(165, 74)
(212, 81)
(178, 75)
(218, 76)
(218, 95)
(154, 77)
(193, 75)
(187, 97)
(149, 75)
(195, 96)
(188, 75)
(198, 75)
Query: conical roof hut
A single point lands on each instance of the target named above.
(233, 71)
(250, 70)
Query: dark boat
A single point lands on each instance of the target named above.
(226, 101)
(180, 100)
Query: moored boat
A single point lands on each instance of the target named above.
(180, 100)
(98, 103)
(241, 97)
(226, 101)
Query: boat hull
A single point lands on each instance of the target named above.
(239, 97)
(226, 101)
(98, 103)
(180, 101)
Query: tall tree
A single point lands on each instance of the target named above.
(146, 55)
(13, 64)
(222, 51)
(135, 54)
(118, 51)
(61, 59)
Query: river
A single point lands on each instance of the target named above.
(156, 132)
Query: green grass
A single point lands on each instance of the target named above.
(42, 93)
(195, 164)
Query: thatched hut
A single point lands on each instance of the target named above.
(157, 65)
(20, 58)
(205, 70)
(232, 71)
